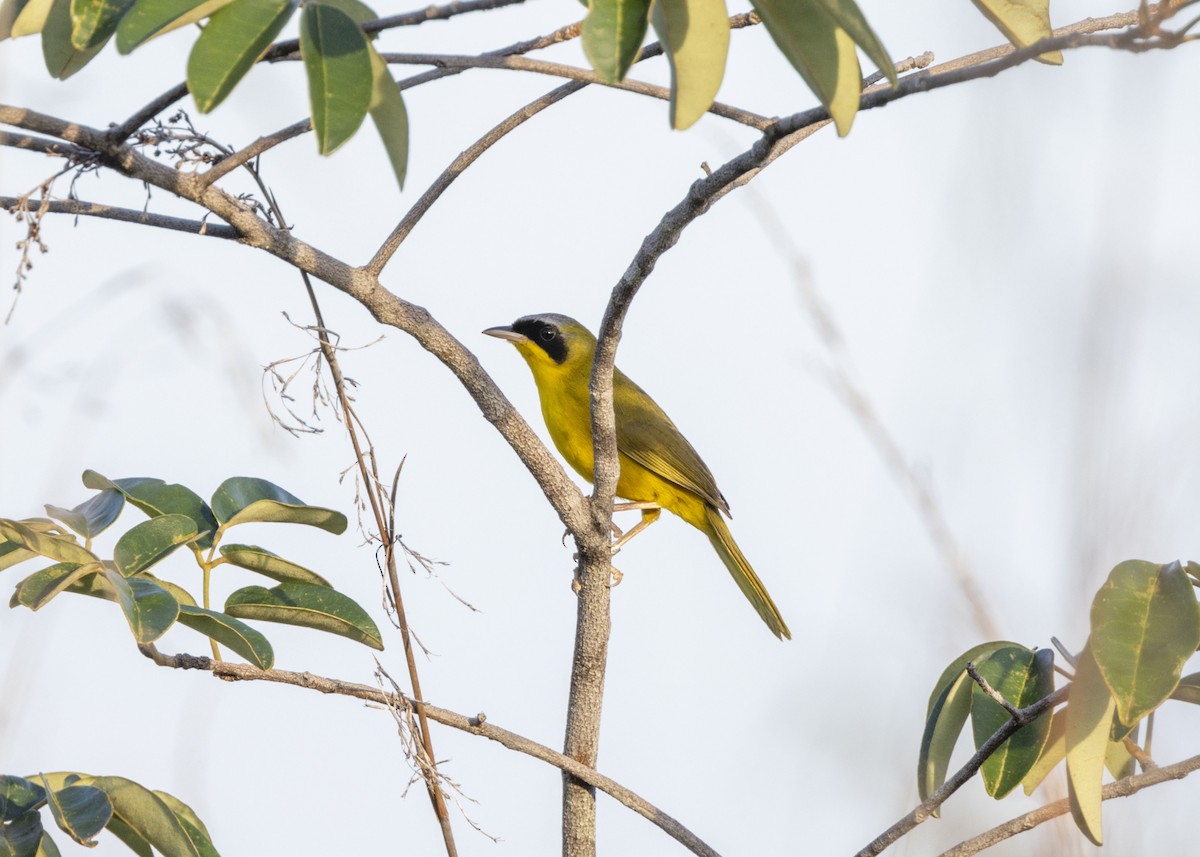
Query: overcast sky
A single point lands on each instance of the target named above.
(1010, 264)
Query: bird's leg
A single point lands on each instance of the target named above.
(650, 513)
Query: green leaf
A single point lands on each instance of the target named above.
(80, 812)
(23, 17)
(235, 37)
(36, 590)
(1022, 22)
(851, 19)
(62, 58)
(12, 553)
(22, 837)
(156, 497)
(94, 21)
(177, 592)
(1089, 717)
(152, 541)
(18, 796)
(91, 517)
(149, 19)
(1145, 625)
(695, 37)
(1053, 752)
(390, 116)
(47, 848)
(957, 668)
(1188, 689)
(338, 65)
(264, 562)
(129, 836)
(612, 35)
(820, 50)
(146, 815)
(946, 718)
(1022, 677)
(190, 822)
(1118, 759)
(227, 631)
(308, 606)
(243, 499)
(148, 607)
(61, 548)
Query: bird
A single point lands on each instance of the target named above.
(659, 469)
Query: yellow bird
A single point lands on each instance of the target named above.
(659, 468)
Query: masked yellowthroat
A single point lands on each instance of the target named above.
(659, 468)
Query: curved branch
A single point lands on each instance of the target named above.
(1121, 788)
(477, 725)
(129, 215)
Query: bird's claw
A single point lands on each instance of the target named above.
(577, 579)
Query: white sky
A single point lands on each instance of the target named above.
(1007, 260)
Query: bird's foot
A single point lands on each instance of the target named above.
(577, 578)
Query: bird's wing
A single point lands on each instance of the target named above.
(646, 434)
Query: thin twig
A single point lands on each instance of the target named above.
(130, 215)
(1030, 820)
(478, 725)
(46, 146)
(992, 694)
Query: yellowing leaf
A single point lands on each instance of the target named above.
(1089, 718)
(695, 37)
(1022, 22)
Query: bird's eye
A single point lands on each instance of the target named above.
(548, 334)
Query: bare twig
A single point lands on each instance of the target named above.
(1022, 717)
(1030, 820)
(991, 692)
(46, 146)
(478, 725)
(129, 215)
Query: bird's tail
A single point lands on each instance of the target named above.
(743, 574)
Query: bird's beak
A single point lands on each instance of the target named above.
(505, 332)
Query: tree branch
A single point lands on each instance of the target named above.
(477, 725)
(1022, 717)
(31, 143)
(129, 215)
(1030, 820)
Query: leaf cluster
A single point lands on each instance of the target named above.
(83, 805)
(178, 517)
(1145, 625)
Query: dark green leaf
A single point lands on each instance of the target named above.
(1022, 677)
(36, 590)
(47, 848)
(61, 548)
(62, 58)
(695, 37)
(191, 824)
(149, 19)
(974, 655)
(390, 117)
(94, 21)
(228, 631)
(18, 796)
(1145, 625)
(80, 812)
(22, 837)
(145, 814)
(338, 65)
(612, 35)
(243, 499)
(155, 498)
(308, 606)
(129, 836)
(152, 541)
(236, 36)
(358, 12)
(148, 607)
(91, 517)
(942, 728)
(177, 592)
(820, 50)
(264, 562)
